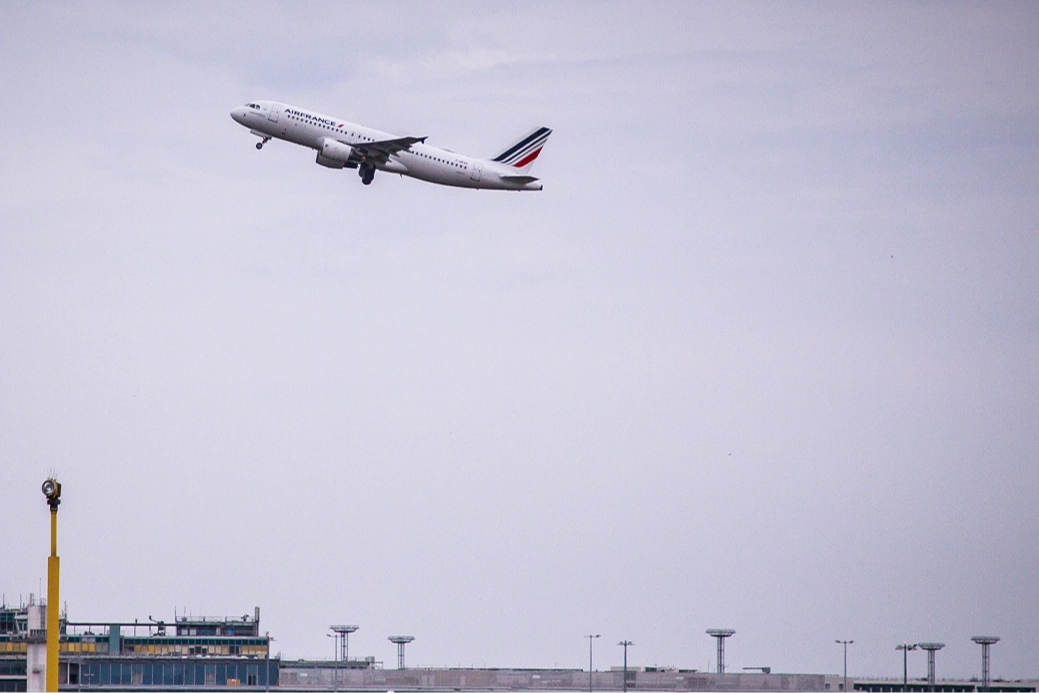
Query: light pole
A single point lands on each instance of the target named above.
(625, 644)
(267, 663)
(905, 647)
(845, 643)
(590, 639)
(52, 490)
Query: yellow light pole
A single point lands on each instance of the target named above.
(52, 490)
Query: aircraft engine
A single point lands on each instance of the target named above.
(330, 163)
(335, 154)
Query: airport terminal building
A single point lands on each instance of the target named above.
(190, 652)
(211, 654)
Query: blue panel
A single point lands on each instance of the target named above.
(113, 640)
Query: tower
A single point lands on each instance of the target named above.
(931, 648)
(400, 641)
(985, 641)
(721, 634)
(343, 632)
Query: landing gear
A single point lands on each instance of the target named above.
(367, 173)
(259, 145)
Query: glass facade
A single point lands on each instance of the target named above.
(208, 671)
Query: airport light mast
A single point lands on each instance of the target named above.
(343, 632)
(905, 647)
(52, 490)
(400, 641)
(591, 639)
(625, 644)
(721, 634)
(931, 648)
(984, 641)
(845, 643)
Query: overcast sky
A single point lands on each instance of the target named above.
(762, 355)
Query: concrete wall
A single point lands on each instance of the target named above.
(36, 649)
(309, 676)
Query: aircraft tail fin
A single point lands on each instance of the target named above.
(521, 154)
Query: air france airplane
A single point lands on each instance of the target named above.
(340, 144)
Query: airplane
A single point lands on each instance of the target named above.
(341, 144)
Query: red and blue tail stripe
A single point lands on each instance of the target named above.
(522, 154)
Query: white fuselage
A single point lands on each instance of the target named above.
(270, 119)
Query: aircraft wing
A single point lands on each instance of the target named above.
(381, 151)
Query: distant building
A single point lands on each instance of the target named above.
(947, 686)
(329, 675)
(196, 652)
(216, 653)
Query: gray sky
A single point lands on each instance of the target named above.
(762, 355)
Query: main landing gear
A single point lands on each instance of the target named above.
(367, 173)
(259, 145)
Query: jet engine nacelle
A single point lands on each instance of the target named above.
(330, 163)
(335, 154)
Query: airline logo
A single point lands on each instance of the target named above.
(313, 118)
(526, 150)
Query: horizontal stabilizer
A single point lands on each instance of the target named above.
(523, 180)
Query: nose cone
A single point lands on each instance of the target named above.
(238, 114)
